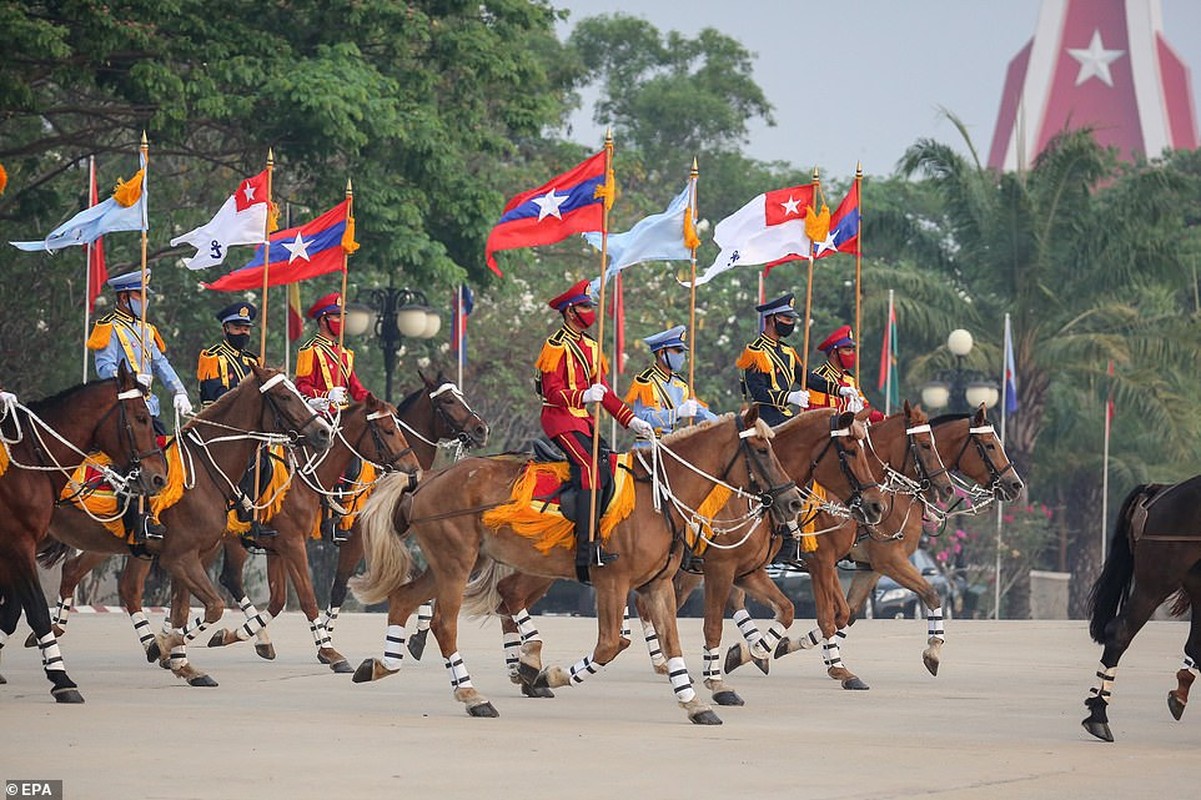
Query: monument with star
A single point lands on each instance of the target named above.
(1104, 64)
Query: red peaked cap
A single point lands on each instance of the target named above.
(840, 338)
(576, 295)
(329, 304)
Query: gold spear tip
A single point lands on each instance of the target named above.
(349, 187)
(695, 167)
(270, 155)
(609, 134)
(145, 142)
(816, 174)
(859, 168)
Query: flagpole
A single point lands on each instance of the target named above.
(693, 175)
(266, 265)
(459, 331)
(1105, 463)
(888, 376)
(600, 331)
(816, 183)
(87, 272)
(1004, 416)
(287, 303)
(859, 271)
(342, 371)
(144, 151)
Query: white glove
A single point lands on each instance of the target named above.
(689, 408)
(338, 396)
(855, 404)
(319, 403)
(594, 393)
(641, 428)
(145, 378)
(848, 391)
(800, 397)
(182, 404)
(7, 399)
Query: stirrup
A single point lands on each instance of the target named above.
(147, 529)
(260, 531)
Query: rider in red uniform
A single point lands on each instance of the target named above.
(833, 384)
(569, 378)
(320, 373)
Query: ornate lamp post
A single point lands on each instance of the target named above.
(960, 390)
(394, 314)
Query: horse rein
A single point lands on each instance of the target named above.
(857, 487)
(458, 431)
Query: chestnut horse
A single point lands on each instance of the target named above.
(40, 446)
(367, 431)
(215, 447)
(1155, 551)
(446, 512)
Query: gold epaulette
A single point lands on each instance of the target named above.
(826, 371)
(208, 365)
(162, 346)
(754, 358)
(551, 355)
(642, 390)
(102, 332)
(304, 360)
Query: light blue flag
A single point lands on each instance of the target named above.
(90, 224)
(659, 237)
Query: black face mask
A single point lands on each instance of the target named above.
(785, 329)
(238, 341)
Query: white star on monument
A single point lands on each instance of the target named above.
(298, 249)
(548, 205)
(249, 192)
(790, 206)
(828, 244)
(1095, 61)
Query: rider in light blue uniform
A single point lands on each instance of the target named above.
(658, 394)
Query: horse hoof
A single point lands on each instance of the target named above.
(734, 658)
(538, 691)
(661, 669)
(729, 697)
(365, 672)
(762, 663)
(705, 717)
(3, 680)
(67, 695)
(218, 639)
(855, 684)
(484, 709)
(266, 651)
(31, 640)
(165, 663)
(417, 643)
(1175, 706)
(931, 664)
(541, 681)
(782, 648)
(153, 653)
(342, 667)
(1098, 729)
(528, 674)
(202, 680)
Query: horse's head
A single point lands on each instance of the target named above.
(763, 472)
(969, 445)
(286, 411)
(453, 418)
(912, 451)
(840, 463)
(126, 433)
(375, 420)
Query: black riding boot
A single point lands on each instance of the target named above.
(589, 554)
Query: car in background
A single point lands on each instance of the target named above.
(890, 600)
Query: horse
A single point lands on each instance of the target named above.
(967, 445)
(820, 445)
(446, 516)
(42, 445)
(1154, 552)
(367, 431)
(214, 448)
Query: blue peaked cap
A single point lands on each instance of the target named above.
(129, 282)
(238, 312)
(781, 305)
(672, 337)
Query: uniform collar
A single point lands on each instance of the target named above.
(571, 334)
(659, 372)
(125, 316)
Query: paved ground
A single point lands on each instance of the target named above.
(1001, 720)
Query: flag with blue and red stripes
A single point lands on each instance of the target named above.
(460, 309)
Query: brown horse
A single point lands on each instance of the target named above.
(42, 444)
(819, 445)
(446, 514)
(367, 431)
(215, 447)
(1155, 551)
(969, 447)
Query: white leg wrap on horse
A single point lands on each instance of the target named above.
(62, 611)
(3, 638)
(1104, 687)
(681, 681)
(512, 652)
(320, 637)
(748, 629)
(712, 668)
(52, 659)
(1189, 663)
(141, 626)
(179, 657)
(394, 646)
(582, 669)
(767, 643)
(194, 628)
(525, 627)
(459, 679)
(329, 617)
(253, 625)
(168, 628)
(425, 615)
(625, 623)
(831, 654)
(811, 639)
(652, 643)
(934, 627)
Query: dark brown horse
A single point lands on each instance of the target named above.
(446, 512)
(215, 447)
(1155, 551)
(42, 445)
(367, 431)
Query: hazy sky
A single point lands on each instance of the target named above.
(862, 79)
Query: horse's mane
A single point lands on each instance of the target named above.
(941, 418)
(66, 394)
(216, 404)
(684, 433)
(408, 401)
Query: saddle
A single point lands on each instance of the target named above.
(90, 491)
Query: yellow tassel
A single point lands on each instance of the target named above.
(691, 240)
(234, 525)
(622, 503)
(355, 504)
(3, 458)
(129, 192)
(272, 217)
(102, 503)
(608, 189)
(548, 359)
(349, 245)
(173, 491)
(643, 392)
(547, 529)
(3, 179)
(714, 501)
(754, 359)
(817, 226)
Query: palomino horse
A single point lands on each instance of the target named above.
(215, 447)
(446, 513)
(1155, 551)
(41, 445)
(968, 445)
(367, 431)
(817, 445)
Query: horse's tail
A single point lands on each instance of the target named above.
(1112, 588)
(51, 551)
(1180, 603)
(384, 518)
(481, 597)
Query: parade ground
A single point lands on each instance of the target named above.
(1001, 720)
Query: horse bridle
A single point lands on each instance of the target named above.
(754, 463)
(135, 458)
(925, 476)
(281, 420)
(381, 446)
(994, 473)
(458, 431)
(835, 441)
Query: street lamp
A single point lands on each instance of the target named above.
(394, 314)
(960, 390)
